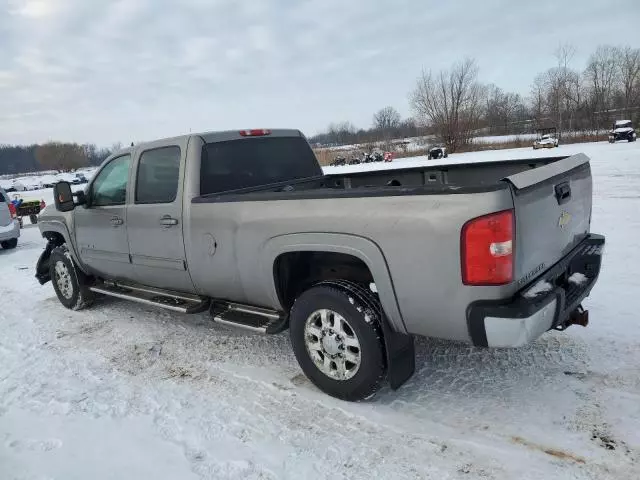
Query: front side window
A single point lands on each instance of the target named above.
(110, 186)
(158, 173)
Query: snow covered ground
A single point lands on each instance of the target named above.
(124, 391)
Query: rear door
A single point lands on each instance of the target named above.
(552, 211)
(154, 218)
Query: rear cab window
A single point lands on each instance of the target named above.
(252, 162)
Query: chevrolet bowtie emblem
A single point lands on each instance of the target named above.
(565, 218)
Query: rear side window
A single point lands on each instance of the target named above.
(252, 162)
(158, 172)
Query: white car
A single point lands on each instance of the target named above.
(545, 141)
(9, 225)
(25, 183)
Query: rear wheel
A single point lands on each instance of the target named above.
(33, 218)
(337, 339)
(9, 244)
(69, 282)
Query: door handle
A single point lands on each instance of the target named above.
(563, 192)
(167, 221)
(116, 221)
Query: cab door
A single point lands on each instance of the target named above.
(155, 227)
(101, 225)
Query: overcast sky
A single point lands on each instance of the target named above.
(105, 71)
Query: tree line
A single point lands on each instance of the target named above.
(57, 156)
(454, 106)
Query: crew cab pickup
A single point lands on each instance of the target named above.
(355, 263)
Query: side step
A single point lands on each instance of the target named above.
(256, 319)
(175, 301)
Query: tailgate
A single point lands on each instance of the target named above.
(553, 212)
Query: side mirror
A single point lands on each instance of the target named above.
(63, 197)
(81, 197)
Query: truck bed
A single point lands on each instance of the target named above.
(441, 179)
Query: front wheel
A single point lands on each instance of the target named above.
(69, 282)
(336, 337)
(33, 218)
(9, 244)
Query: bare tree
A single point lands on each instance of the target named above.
(629, 66)
(502, 109)
(62, 157)
(562, 75)
(341, 133)
(450, 102)
(386, 118)
(538, 98)
(602, 74)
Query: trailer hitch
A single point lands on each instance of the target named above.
(579, 316)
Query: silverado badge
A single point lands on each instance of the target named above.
(565, 218)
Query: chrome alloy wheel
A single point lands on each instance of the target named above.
(332, 344)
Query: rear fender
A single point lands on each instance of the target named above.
(359, 247)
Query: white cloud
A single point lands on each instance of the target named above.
(103, 70)
(32, 8)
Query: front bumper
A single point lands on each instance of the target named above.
(10, 231)
(523, 318)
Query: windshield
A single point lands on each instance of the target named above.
(622, 125)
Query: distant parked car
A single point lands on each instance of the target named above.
(48, 181)
(80, 178)
(622, 130)
(24, 184)
(547, 138)
(438, 151)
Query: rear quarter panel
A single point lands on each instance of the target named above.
(412, 247)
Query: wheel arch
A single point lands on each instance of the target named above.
(360, 251)
(56, 233)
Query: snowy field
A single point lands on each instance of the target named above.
(124, 391)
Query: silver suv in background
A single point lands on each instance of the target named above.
(9, 225)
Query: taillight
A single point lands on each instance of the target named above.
(487, 249)
(256, 132)
(12, 210)
(42, 204)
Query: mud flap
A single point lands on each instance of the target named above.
(401, 356)
(42, 267)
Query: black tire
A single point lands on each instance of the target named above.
(79, 296)
(9, 244)
(361, 309)
(33, 218)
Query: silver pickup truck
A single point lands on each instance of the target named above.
(247, 225)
